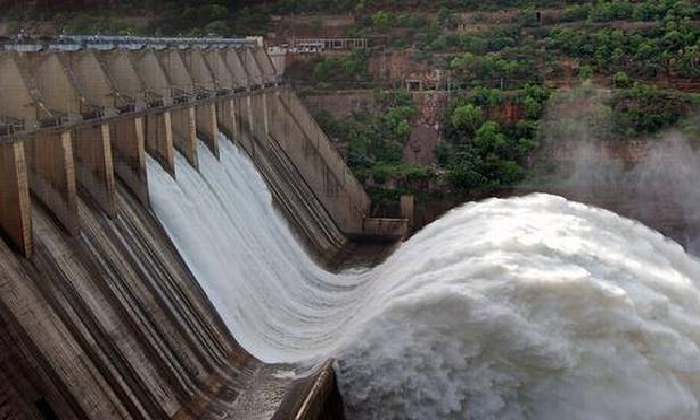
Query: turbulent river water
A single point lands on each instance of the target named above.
(525, 308)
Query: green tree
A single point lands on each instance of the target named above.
(489, 138)
(585, 73)
(621, 80)
(532, 107)
(464, 168)
(381, 19)
(467, 117)
(403, 129)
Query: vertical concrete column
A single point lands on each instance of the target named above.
(259, 102)
(207, 127)
(52, 175)
(266, 113)
(95, 168)
(159, 139)
(226, 117)
(129, 152)
(185, 134)
(235, 118)
(15, 205)
(250, 132)
(279, 127)
(220, 112)
(242, 125)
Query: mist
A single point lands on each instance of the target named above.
(651, 179)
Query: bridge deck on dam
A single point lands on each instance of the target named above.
(101, 318)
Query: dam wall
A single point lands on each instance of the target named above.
(167, 98)
(100, 317)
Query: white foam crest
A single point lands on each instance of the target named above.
(526, 308)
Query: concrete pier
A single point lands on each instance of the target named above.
(207, 127)
(227, 118)
(318, 162)
(15, 210)
(95, 168)
(159, 139)
(184, 121)
(249, 124)
(52, 175)
(128, 142)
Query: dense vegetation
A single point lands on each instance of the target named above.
(375, 140)
(338, 72)
(481, 151)
(245, 17)
(670, 49)
(510, 64)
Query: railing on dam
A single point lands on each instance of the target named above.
(76, 42)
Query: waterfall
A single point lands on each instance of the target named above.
(525, 308)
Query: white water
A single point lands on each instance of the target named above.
(527, 308)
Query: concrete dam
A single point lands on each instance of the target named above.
(101, 318)
(166, 206)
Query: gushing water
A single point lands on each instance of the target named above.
(526, 308)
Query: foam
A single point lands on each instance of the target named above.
(526, 308)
